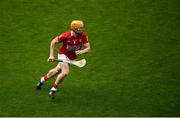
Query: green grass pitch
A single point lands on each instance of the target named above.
(133, 69)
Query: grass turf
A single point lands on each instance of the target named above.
(133, 69)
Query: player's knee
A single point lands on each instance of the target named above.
(65, 73)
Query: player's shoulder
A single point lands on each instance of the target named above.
(84, 33)
(66, 34)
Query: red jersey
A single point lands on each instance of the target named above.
(71, 44)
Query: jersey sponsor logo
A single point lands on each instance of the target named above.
(72, 47)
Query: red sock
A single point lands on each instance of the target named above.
(55, 85)
(46, 78)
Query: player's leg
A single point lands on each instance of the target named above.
(50, 74)
(60, 78)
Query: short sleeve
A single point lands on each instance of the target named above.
(85, 38)
(61, 37)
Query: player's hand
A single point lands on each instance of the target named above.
(78, 52)
(51, 59)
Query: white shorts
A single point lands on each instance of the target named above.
(63, 57)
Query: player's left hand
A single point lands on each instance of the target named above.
(78, 52)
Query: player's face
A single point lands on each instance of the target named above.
(79, 31)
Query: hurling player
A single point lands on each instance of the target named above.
(74, 43)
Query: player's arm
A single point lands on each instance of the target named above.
(87, 48)
(52, 46)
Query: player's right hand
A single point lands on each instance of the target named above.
(51, 59)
